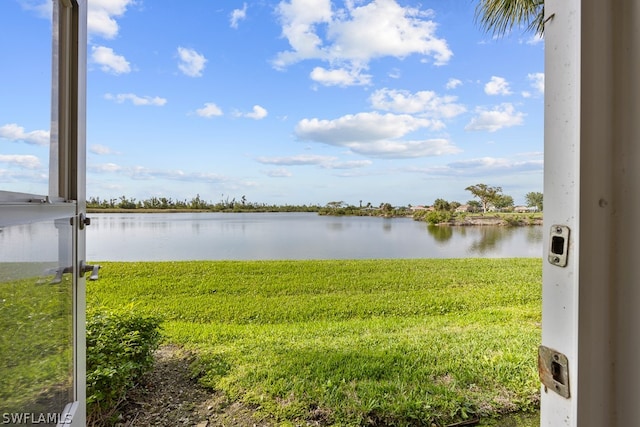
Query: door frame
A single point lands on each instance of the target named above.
(66, 196)
(592, 187)
(68, 159)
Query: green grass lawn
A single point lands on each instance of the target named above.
(378, 342)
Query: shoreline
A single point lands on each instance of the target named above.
(515, 221)
(501, 220)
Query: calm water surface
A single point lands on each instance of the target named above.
(264, 236)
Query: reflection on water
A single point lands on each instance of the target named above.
(486, 240)
(534, 234)
(335, 226)
(213, 236)
(440, 234)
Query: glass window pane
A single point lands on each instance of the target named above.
(36, 343)
(25, 96)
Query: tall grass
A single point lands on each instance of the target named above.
(379, 342)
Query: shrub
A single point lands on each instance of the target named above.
(120, 346)
(438, 217)
(513, 220)
(420, 215)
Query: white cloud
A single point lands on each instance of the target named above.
(404, 149)
(101, 16)
(502, 116)
(340, 77)
(24, 161)
(493, 165)
(42, 9)
(209, 110)
(110, 62)
(535, 39)
(104, 168)
(278, 173)
(395, 73)
(359, 127)
(453, 83)
(497, 86)
(299, 19)
(350, 164)
(537, 81)
(483, 167)
(427, 103)
(238, 15)
(13, 132)
(355, 35)
(135, 99)
(179, 175)
(258, 113)
(299, 160)
(101, 150)
(326, 162)
(376, 135)
(384, 28)
(143, 173)
(22, 176)
(191, 62)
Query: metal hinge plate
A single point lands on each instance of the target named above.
(553, 369)
(559, 245)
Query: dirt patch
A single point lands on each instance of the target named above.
(168, 396)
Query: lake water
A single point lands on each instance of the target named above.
(266, 236)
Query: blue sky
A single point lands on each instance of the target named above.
(293, 101)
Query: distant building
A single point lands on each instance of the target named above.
(525, 209)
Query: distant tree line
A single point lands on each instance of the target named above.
(383, 209)
(489, 198)
(196, 203)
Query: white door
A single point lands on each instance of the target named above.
(42, 304)
(591, 276)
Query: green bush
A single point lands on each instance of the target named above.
(514, 220)
(120, 346)
(419, 215)
(438, 217)
(433, 217)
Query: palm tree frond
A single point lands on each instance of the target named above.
(501, 16)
